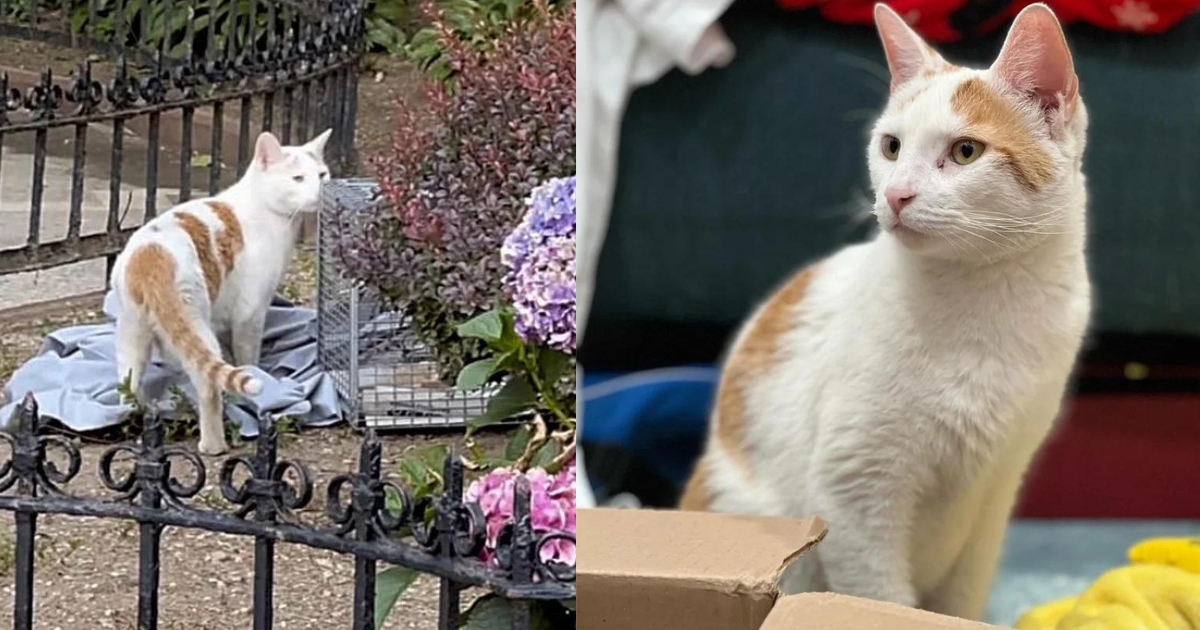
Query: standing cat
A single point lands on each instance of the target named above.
(208, 269)
(900, 388)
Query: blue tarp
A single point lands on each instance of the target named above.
(658, 416)
(74, 376)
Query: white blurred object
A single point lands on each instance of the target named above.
(625, 44)
(624, 501)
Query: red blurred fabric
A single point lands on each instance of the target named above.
(1119, 456)
(951, 20)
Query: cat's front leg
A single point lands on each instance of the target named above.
(247, 338)
(964, 591)
(870, 511)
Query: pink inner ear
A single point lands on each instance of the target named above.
(268, 151)
(907, 54)
(1036, 61)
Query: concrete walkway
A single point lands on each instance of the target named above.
(16, 184)
(16, 175)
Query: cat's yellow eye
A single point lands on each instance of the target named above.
(891, 147)
(966, 151)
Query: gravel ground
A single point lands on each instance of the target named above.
(87, 568)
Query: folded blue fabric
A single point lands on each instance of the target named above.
(74, 377)
(658, 416)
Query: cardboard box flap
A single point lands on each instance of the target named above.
(666, 569)
(826, 611)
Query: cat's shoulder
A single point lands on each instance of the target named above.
(802, 287)
(759, 342)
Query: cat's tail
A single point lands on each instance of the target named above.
(157, 293)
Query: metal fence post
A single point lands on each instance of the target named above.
(152, 473)
(25, 463)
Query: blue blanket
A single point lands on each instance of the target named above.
(656, 417)
(74, 377)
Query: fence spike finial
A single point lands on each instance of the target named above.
(27, 414)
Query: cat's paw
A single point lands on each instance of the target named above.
(213, 447)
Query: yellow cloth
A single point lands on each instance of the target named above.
(1177, 552)
(1150, 595)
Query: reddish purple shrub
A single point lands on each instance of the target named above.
(463, 162)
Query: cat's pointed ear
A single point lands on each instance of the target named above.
(907, 54)
(1036, 62)
(268, 151)
(316, 146)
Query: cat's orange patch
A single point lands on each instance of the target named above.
(198, 232)
(757, 350)
(991, 119)
(150, 271)
(696, 496)
(229, 239)
(150, 282)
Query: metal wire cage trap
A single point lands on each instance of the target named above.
(387, 378)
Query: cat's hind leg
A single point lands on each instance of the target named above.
(134, 342)
(209, 405)
(248, 337)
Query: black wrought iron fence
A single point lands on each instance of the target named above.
(367, 517)
(165, 101)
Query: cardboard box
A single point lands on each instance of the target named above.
(666, 570)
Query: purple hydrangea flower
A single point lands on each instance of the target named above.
(540, 256)
(552, 507)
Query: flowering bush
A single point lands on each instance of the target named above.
(552, 509)
(464, 159)
(475, 23)
(540, 256)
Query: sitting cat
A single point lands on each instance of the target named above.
(899, 388)
(207, 269)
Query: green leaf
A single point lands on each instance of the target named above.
(569, 604)
(488, 326)
(552, 363)
(510, 360)
(492, 612)
(415, 472)
(545, 455)
(390, 584)
(434, 456)
(78, 19)
(518, 442)
(477, 374)
(509, 339)
(488, 613)
(516, 396)
(391, 500)
(391, 10)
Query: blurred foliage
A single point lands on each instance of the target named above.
(160, 24)
(395, 27)
(477, 23)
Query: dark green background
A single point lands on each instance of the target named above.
(731, 179)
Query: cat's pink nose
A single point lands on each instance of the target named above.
(898, 197)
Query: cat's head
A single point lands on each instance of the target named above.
(290, 176)
(978, 164)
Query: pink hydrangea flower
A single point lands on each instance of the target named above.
(552, 499)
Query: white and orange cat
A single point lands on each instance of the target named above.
(899, 388)
(207, 270)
